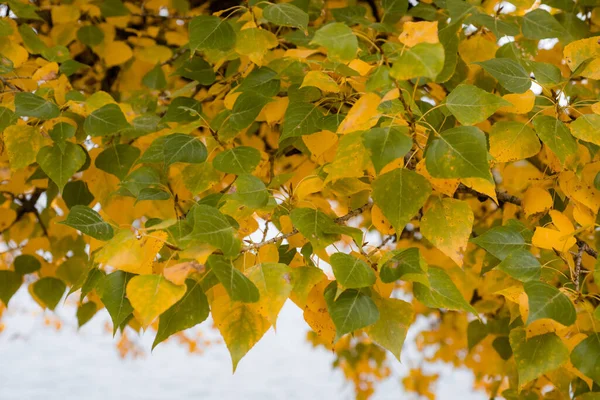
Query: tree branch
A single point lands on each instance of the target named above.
(340, 220)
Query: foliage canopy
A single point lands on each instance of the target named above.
(168, 162)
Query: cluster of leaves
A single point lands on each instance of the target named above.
(167, 163)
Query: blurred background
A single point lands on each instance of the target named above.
(43, 356)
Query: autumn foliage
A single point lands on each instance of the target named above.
(167, 160)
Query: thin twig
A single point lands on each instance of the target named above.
(294, 231)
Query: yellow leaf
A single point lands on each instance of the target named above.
(318, 143)
(274, 283)
(47, 72)
(560, 239)
(268, 254)
(447, 224)
(482, 186)
(178, 273)
(115, 53)
(64, 14)
(580, 50)
(151, 295)
(444, 186)
(240, 324)
(320, 80)
(414, 33)
(362, 116)
(154, 54)
(308, 186)
(350, 159)
(15, 53)
(477, 48)
(255, 43)
(128, 253)
(581, 189)
(274, 111)
(22, 144)
(380, 222)
(316, 314)
(7, 217)
(536, 201)
(522, 103)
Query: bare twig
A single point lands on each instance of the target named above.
(294, 231)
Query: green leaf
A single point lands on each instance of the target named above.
(442, 292)
(546, 301)
(239, 160)
(400, 194)
(212, 227)
(237, 285)
(153, 194)
(538, 355)
(113, 8)
(556, 136)
(393, 10)
(175, 148)
(117, 160)
(476, 332)
(285, 14)
(423, 60)
(511, 75)
(183, 110)
(32, 105)
(586, 356)
(246, 108)
(351, 272)
(49, 291)
(112, 293)
(106, 120)
(459, 153)
(390, 329)
(406, 264)
(274, 283)
(262, 80)
(351, 310)
(386, 145)
(85, 312)
(321, 230)
(521, 265)
(471, 105)
(31, 40)
(61, 132)
(210, 32)
(540, 24)
(251, 191)
(500, 241)
(60, 165)
(339, 40)
(512, 141)
(10, 282)
(89, 222)
(24, 10)
(447, 224)
(188, 312)
(587, 128)
(76, 193)
(300, 119)
(90, 35)
(26, 264)
(196, 68)
(155, 78)
(545, 73)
